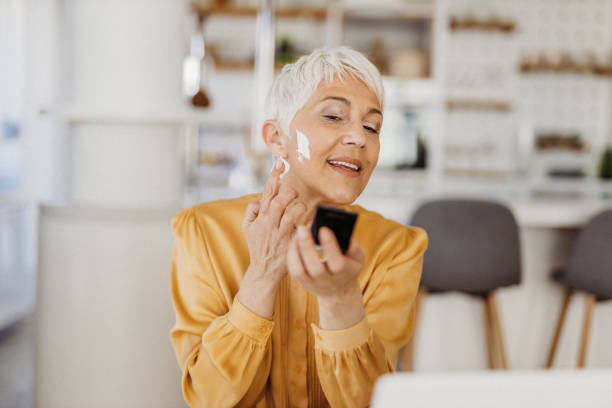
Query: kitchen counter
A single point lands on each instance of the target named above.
(555, 204)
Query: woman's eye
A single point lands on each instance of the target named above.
(370, 129)
(332, 117)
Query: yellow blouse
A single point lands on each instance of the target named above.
(230, 356)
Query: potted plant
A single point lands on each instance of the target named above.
(605, 166)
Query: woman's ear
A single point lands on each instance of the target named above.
(274, 138)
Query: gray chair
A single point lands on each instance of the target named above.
(473, 248)
(589, 270)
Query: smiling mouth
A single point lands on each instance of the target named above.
(344, 165)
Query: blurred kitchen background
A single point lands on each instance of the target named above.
(116, 114)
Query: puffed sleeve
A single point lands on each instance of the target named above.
(349, 361)
(222, 349)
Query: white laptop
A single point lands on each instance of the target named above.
(499, 389)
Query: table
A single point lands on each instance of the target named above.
(525, 389)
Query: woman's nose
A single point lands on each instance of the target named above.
(354, 135)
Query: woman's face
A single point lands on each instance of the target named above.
(334, 142)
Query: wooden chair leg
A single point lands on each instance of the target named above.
(407, 352)
(589, 305)
(496, 323)
(488, 325)
(567, 297)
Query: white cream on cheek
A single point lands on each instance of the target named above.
(303, 146)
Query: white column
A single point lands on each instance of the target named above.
(104, 311)
(125, 59)
(435, 145)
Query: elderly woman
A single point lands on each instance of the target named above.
(262, 319)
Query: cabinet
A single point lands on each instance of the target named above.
(397, 39)
(228, 31)
(504, 68)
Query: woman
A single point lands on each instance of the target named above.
(262, 318)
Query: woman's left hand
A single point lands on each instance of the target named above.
(333, 281)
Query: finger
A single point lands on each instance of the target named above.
(355, 251)
(279, 204)
(290, 217)
(310, 256)
(250, 214)
(331, 249)
(272, 185)
(295, 265)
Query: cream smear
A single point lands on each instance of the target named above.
(303, 147)
(286, 168)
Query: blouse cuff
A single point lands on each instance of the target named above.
(340, 340)
(249, 323)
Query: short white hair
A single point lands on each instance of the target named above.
(298, 81)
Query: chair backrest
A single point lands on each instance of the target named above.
(590, 263)
(473, 246)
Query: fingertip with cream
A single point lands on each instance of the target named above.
(286, 164)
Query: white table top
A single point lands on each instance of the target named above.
(555, 205)
(511, 389)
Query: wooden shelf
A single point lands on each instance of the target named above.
(559, 152)
(398, 12)
(479, 105)
(503, 26)
(281, 12)
(395, 19)
(232, 65)
(246, 65)
(597, 70)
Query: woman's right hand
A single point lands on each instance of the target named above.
(268, 226)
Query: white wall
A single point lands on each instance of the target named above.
(29, 80)
(45, 147)
(11, 57)
(11, 84)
